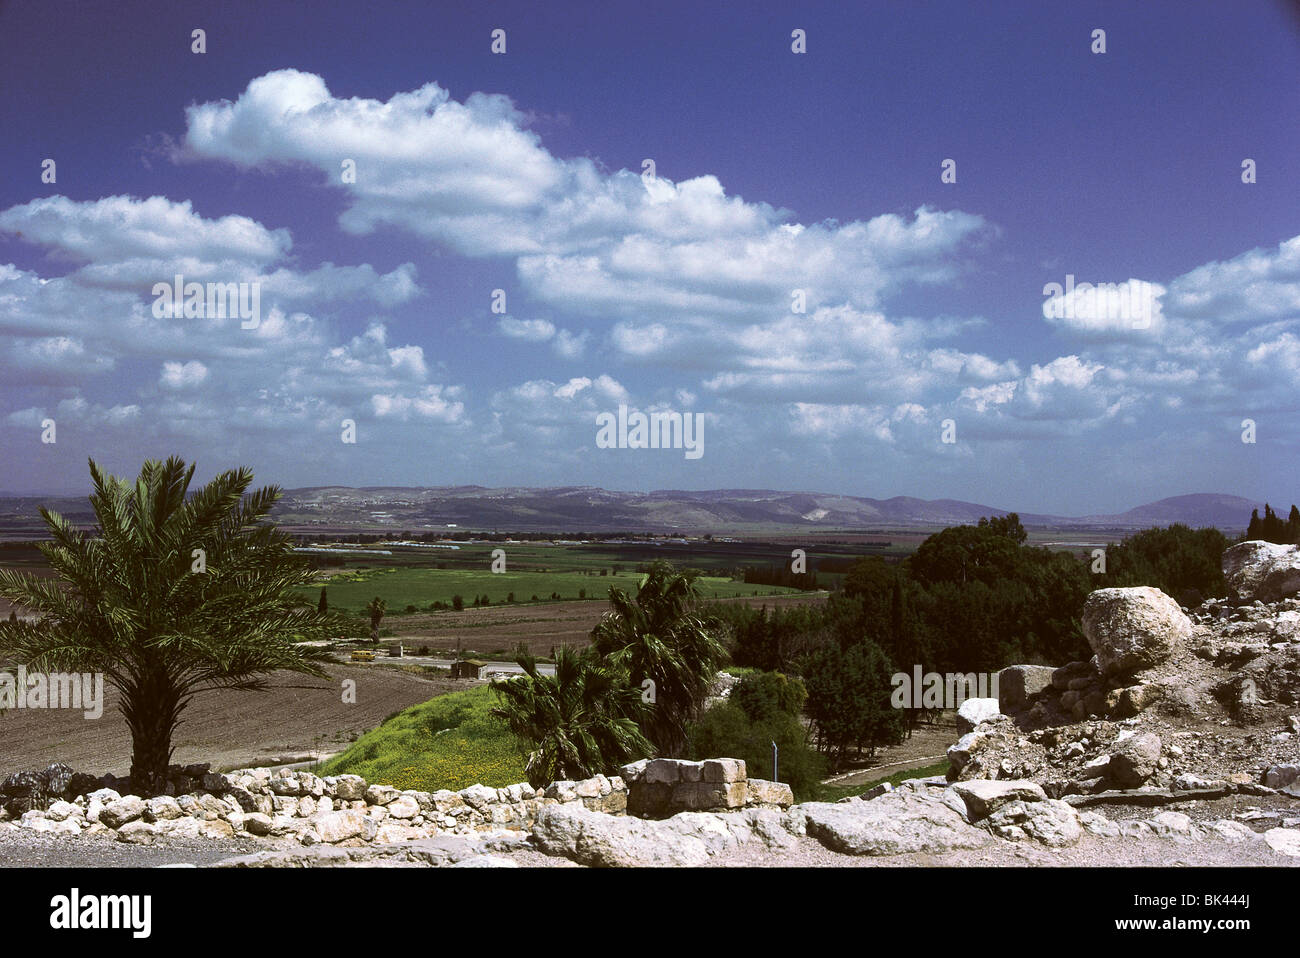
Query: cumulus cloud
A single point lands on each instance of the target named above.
(79, 411)
(786, 329)
(118, 229)
(532, 330)
(182, 375)
(1255, 286)
(471, 175)
(286, 374)
(1281, 355)
(1131, 309)
(432, 402)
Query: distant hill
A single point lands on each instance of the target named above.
(1199, 509)
(591, 509)
(587, 508)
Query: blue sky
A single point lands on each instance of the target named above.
(775, 172)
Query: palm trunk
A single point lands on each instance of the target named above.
(152, 709)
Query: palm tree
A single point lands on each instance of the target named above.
(580, 722)
(171, 595)
(658, 638)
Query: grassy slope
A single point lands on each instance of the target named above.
(448, 742)
(833, 793)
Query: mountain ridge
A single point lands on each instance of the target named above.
(592, 508)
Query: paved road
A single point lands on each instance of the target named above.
(492, 666)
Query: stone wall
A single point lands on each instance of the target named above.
(306, 808)
(662, 787)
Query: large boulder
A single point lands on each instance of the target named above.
(972, 712)
(331, 827)
(1133, 629)
(1018, 682)
(1262, 570)
(894, 824)
(125, 809)
(1050, 821)
(983, 797)
(1135, 760)
(350, 788)
(1284, 841)
(597, 839)
(1285, 778)
(759, 791)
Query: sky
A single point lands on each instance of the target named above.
(840, 261)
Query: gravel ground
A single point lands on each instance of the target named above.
(1230, 806)
(26, 850)
(23, 849)
(1089, 852)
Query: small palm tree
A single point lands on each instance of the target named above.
(581, 721)
(171, 595)
(658, 638)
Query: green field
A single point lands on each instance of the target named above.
(420, 587)
(448, 742)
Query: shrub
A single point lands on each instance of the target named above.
(764, 695)
(726, 731)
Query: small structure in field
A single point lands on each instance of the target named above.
(466, 668)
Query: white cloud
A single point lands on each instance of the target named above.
(569, 345)
(183, 375)
(471, 176)
(1255, 286)
(432, 402)
(1282, 354)
(117, 229)
(532, 330)
(1131, 309)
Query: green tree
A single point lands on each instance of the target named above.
(1008, 526)
(376, 607)
(765, 694)
(323, 605)
(964, 554)
(579, 722)
(658, 637)
(171, 595)
(849, 700)
(1272, 528)
(1182, 562)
